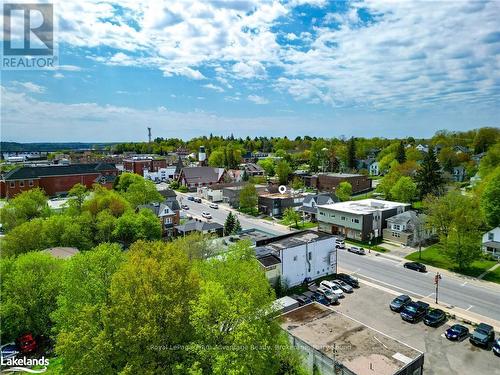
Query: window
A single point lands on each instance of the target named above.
(396, 226)
(322, 213)
(295, 258)
(168, 220)
(21, 183)
(30, 183)
(342, 218)
(12, 184)
(309, 255)
(491, 236)
(356, 221)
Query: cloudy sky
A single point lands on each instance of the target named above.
(290, 67)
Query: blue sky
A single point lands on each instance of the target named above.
(296, 67)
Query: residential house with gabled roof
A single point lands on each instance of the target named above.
(204, 227)
(407, 228)
(311, 202)
(168, 212)
(491, 243)
(194, 177)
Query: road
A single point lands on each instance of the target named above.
(219, 215)
(452, 291)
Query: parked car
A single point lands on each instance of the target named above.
(348, 279)
(482, 335)
(214, 205)
(398, 303)
(496, 347)
(190, 198)
(206, 215)
(318, 297)
(197, 200)
(328, 294)
(185, 207)
(415, 266)
(434, 317)
(357, 250)
(26, 343)
(457, 332)
(414, 311)
(7, 351)
(339, 244)
(344, 286)
(302, 300)
(332, 287)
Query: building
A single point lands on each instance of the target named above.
(199, 226)
(253, 169)
(374, 169)
(491, 242)
(422, 148)
(302, 255)
(202, 156)
(333, 343)
(193, 177)
(231, 193)
(168, 212)
(141, 164)
(309, 205)
(275, 204)
(330, 181)
(459, 173)
(163, 174)
(62, 252)
(57, 179)
(271, 265)
(360, 220)
(407, 228)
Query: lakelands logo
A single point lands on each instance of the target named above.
(23, 365)
(28, 36)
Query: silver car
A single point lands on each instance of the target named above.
(344, 286)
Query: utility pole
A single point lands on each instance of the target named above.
(436, 281)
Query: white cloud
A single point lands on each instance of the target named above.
(257, 99)
(58, 76)
(213, 87)
(30, 87)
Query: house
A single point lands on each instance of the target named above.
(364, 163)
(57, 179)
(311, 201)
(140, 164)
(330, 181)
(235, 175)
(406, 228)
(461, 149)
(477, 157)
(168, 212)
(302, 255)
(231, 193)
(491, 242)
(361, 220)
(199, 226)
(62, 252)
(373, 169)
(458, 173)
(422, 148)
(193, 177)
(275, 204)
(253, 169)
(331, 343)
(271, 265)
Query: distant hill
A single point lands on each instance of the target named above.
(48, 147)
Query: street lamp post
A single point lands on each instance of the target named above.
(436, 281)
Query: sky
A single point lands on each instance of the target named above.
(259, 68)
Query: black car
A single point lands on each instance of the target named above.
(496, 347)
(190, 198)
(348, 279)
(415, 266)
(302, 300)
(399, 302)
(434, 317)
(414, 311)
(457, 332)
(482, 335)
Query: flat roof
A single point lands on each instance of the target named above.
(360, 348)
(342, 175)
(290, 241)
(363, 206)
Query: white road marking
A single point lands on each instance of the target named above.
(470, 307)
(393, 286)
(464, 284)
(429, 295)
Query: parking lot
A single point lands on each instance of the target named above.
(371, 307)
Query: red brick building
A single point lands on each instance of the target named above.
(330, 181)
(137, 165)
(56, 179)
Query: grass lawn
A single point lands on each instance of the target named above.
(493, 276)
(301, 225)
(434, 256)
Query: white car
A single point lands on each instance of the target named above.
(339, 244)
(334, 288)
(214, 205)
(206, 215)
(357, 250)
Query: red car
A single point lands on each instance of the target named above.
(26, 343)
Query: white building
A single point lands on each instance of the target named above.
(303, 255)
(163, 174)
(491, 242)
(374, 169)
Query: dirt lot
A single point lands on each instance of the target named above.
(371, 306)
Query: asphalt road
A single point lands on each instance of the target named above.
(452, 291)
(219, 215)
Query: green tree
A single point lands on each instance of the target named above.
(387, 182)
(268, 166)
(28, 236)
(404, 190)
(24, 207)
(78, 193)
(344, 191)
(142, 192)
(229, 224)
(351, 154)
(490, 199)
(429, 177)
(30, 286)
(216, 159)
(131, 227)
(237, 226)
(283, 171)
(290, 216)
(401, 153)
(297, 183)
(490, 161)
(105, 224)
(245, 177)
(248, 197)
(485, 137)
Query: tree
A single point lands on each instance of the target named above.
(229, 224)
(351, 154)
(490, 199)
(30, 286)
(291, 216)
(24, 207)
(28, 236)
(344, 191)
(387, 182)
(216, 159)
(283, 170)
(78, 193)
(245, 177)
(142, 192)
(268, 166)
(297, 183)
(248, 197)
(105, 224)
(401, 153)
(490, 161)
(237, 226)
(485, 137)
(131, 227)
(405, 190)
(104, 199)
(429, 177)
